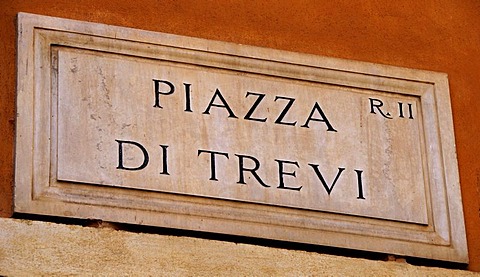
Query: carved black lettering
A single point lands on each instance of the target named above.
(324, 183)
(281, 173)
(323, 118)
(260, 97)
(377, 103)
(410, 112)
(242, 169)
(120, 155)
(188, 107)
(158, 92)
(360, 184)
(213, 164)
(165, 160)
(279, 120)
(223, 105)
(400, 109)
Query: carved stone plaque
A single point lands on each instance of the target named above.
(157, 129)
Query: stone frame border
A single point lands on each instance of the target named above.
(38, 192)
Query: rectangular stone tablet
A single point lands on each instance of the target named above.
(156, 129)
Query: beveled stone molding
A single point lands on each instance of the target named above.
(156, 129)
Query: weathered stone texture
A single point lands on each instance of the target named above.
(31, 248)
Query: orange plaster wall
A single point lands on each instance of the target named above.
(441, 35)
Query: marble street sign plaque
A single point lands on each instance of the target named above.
(156, 129)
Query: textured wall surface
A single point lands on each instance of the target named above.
(31, 248)
(432, 35)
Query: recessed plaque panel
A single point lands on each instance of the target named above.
(156, 129)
